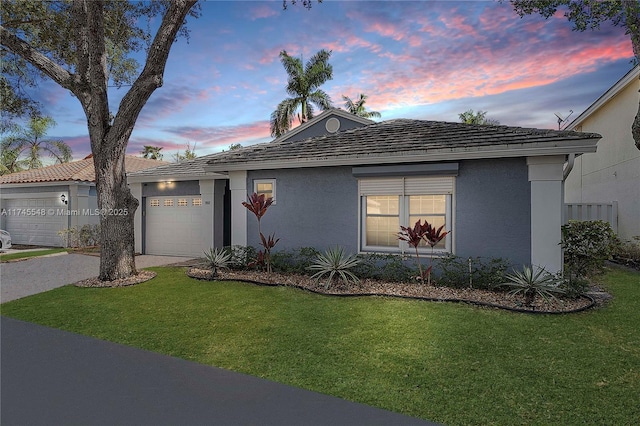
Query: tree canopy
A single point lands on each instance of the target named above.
(84, 46)
(480, 117)
(589, 15)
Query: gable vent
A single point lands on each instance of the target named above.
(332, 125)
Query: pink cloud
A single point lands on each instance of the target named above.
(262, 11)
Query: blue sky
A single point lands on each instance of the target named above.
(421, 59)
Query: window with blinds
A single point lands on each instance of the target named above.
(388, 203)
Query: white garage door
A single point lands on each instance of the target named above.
(173, 226)
(27, 224)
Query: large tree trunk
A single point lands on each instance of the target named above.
(117, 207)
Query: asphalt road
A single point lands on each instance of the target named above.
(38, 274)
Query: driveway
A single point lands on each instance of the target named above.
(52, 377)
(38, 274)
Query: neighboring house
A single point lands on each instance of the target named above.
(611, 175)
(36, 204)
(498, 189)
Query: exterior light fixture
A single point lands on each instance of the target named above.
(63, 198)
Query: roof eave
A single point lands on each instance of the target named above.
(627, 79)
(175, 177)
(578, 146)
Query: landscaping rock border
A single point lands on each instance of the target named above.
(475, 297)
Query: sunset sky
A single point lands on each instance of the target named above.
(421, 59)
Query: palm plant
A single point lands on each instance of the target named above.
(335, 261)
(530, 283)
(303, 87)
(24, 147)
(357, 107)
(152, 152)
(216, 259)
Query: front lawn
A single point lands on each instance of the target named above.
(27, 254)
(450, 363)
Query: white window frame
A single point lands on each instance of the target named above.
(403, 187)
(256, 182)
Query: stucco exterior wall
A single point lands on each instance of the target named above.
(314, 208)
(493, 210)
(613, 172)
(319, 208)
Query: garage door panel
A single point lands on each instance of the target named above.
(40, 229)
(174, 229)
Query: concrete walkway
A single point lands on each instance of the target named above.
(38, 274)
(51, 377)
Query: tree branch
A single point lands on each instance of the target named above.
(21, 48)
(151, 77)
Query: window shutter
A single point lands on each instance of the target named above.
(428, 185)
(380, 186)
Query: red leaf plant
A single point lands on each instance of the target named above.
(414, 236)
(268, 243)
(258, 205)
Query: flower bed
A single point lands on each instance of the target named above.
(369, 287)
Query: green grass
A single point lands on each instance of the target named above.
(28, 254)
(451, 363)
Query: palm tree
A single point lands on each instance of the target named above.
(358, 108)
(152, 152)
(23, 149)
(303, 87)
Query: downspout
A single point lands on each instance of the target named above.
(568, 166)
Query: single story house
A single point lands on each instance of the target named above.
(342, 180)
(36, 204)
(606, 184)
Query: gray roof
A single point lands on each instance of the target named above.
(400, 140)
(187, 168)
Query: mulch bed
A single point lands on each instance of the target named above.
(140, 277)
(368, 287)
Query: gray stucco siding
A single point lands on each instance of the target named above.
(319, 128)
(492, 213)
(160, 189)
(319, 208)
(314, 208)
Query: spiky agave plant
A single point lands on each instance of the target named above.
(531, 283)
(335, 261)
(216, 258)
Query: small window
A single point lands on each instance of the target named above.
(182, 202)
(266, 187)
(154, 202)
(196, 202)
(168, 202)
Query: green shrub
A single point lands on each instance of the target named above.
(587, 246)
(86, 236)
(628, 253)
(386, 267)
(241, 256)
(296, 261)
(471, 272)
